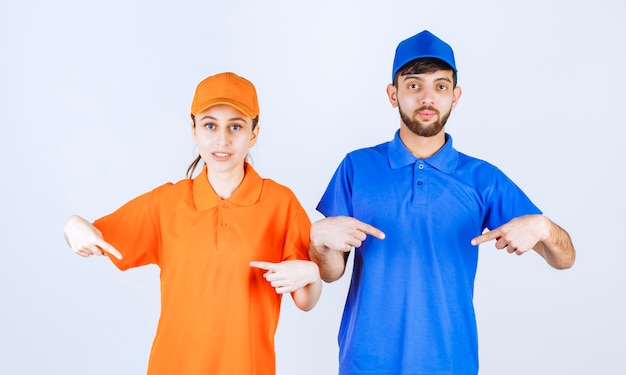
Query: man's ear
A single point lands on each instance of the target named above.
(457, 95)
(392, 94)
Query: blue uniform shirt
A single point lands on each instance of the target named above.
(409, 308)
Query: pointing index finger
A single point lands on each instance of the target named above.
(485, 237)
(111, 250)
(372, 231)
(262, 265)
(107, 247)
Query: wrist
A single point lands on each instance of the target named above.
(315, 273)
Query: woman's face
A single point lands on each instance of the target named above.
(223, 136)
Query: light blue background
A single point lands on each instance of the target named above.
(94, 106)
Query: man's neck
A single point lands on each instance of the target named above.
(422, 147)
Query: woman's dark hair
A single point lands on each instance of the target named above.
(424, 65)
(194, 164)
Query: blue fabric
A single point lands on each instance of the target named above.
(409, 308)
(419, 46)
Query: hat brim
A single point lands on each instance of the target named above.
(247, 111)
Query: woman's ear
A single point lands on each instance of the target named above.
(193, 129)
(255, 136)
(392, 94)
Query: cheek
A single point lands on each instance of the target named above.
(452, 104)
(245, 144)
(203, 144)
(203, 150)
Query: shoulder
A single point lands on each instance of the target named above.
(480, 174)
(381, 148)
(475, 164)
(174, 186)
(274, 188)
(368, 153)
(280, 197)
(171, 189)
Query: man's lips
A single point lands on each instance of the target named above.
(426, 114)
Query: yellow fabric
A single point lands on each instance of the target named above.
(218, 315)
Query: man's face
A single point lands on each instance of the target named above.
(426, 100)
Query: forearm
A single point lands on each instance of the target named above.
(557, 249)
(306, 297)
(331, 263)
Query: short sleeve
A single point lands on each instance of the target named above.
(506, 201)
(133, 230)
(297, 234)
(337, 199)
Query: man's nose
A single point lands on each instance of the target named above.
(427, 97)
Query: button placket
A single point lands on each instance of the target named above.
(224, 216)
(419, 185)
(224, 234)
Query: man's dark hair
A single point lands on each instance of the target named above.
(424, 65)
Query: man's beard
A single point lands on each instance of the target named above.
(418, 127)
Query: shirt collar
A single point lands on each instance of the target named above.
(246, 194)
(444, 160)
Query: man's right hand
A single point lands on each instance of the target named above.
(341, 233)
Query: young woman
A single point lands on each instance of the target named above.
(228, 242)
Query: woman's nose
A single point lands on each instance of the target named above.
(222, 137)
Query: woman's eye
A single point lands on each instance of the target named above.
(209, 126)
(235, 127)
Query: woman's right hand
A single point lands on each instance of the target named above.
(85, 239)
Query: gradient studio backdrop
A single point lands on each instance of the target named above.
(95, 100)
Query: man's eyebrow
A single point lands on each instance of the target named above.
(412, 76)
(419, 78)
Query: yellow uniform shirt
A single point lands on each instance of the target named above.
(218, 315)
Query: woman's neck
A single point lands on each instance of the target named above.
(225, 183)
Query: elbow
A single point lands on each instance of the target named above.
(565, 262)
(563, 266)
(306, 308)
(330, 277)
(307, 303)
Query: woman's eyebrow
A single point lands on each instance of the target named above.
(215, 118)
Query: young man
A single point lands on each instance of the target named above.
(425, 205)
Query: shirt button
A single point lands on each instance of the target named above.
(421, 166)
(419, 182)
(225, 205)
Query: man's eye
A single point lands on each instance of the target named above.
(413, 86)
(443, 87)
